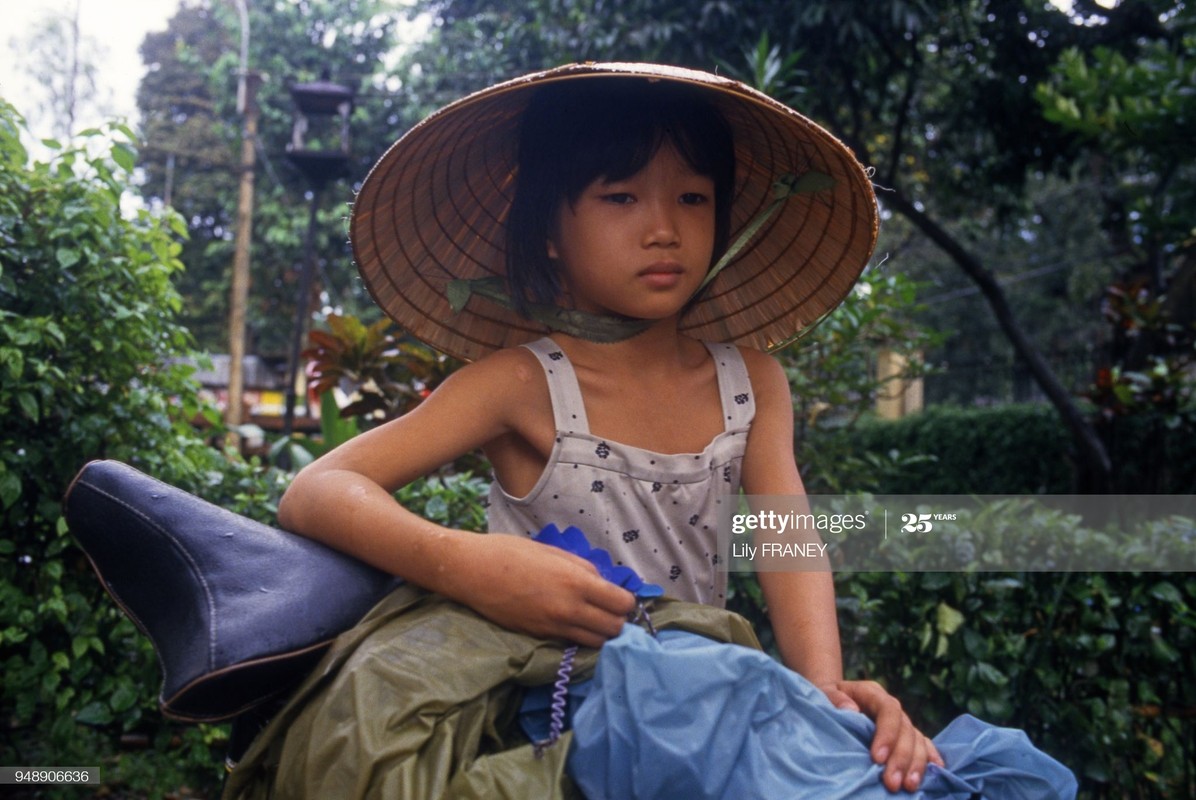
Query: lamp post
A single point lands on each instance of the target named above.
(319, 149)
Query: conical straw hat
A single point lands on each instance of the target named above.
(433, 209)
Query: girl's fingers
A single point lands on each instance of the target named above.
(897, 744)
(840, 699)
(935, 756)
(605, 620)
(901, 765)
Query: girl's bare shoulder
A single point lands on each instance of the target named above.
(510, 369)
(766, 374)
(506, 380)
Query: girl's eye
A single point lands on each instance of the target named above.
(693, 199)
(619, 198)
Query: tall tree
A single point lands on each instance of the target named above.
(1131, 113)
(62, 63)
(930, 95)
(188, 100)
(189, 158)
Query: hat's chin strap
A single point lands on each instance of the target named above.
(601, 328)
(606, 328)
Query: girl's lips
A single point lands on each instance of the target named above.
(665, 275)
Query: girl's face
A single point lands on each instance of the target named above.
(637, 247)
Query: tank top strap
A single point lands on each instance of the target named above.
(567, 406)
(734, 385)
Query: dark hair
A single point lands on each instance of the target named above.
(574, 132)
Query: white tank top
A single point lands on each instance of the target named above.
(656, 513)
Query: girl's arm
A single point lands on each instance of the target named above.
(345, 499)
(801, 605)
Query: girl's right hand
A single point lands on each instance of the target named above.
(537, 589)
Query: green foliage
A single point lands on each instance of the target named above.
(834, 379)
(297, 451)
(1151, 457)
(454, 500)
(1138, 102)
(772, 71)
(193, 134)
(1129, 113)
(1096, 668)
(1145, 401)
(88, 369)
(1013, 449)
(385, 376)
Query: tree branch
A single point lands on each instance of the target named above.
(1098, 466)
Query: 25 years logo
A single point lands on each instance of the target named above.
(923, 523)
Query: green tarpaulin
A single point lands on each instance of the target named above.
(419, 701)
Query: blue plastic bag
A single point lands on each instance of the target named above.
(685, 717)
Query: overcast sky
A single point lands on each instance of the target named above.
(117, 28)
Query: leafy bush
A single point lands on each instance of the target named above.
(1013, 449)
(1096, 668)
(88, 369)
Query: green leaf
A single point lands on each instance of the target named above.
(79, 646)
(123, 698)
(457, 293)
(94, 713)
(990, 674)
(1164, 650)
(15, 361)
(67, 257)
(1167, 593)
(28, 404)
(10, 488)
(948, 620)
(336, 429)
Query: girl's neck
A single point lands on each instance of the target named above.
(660, 347)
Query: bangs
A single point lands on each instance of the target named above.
(612, 134)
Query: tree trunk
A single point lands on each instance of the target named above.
(1095, 466)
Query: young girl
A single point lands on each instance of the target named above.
(564, 232)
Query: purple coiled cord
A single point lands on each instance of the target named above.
(560, 689)
(560, 697)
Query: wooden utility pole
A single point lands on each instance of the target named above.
(239, 294)
(234, 414)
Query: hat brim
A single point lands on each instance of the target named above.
(434, 206)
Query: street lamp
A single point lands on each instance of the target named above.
(319, 149)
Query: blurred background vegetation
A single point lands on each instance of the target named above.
(1035, 169)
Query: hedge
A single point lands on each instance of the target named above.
(1015, 449)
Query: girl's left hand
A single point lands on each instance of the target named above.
(900, 746)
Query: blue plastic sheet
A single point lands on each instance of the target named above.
(685, 717)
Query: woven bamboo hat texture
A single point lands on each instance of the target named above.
(433, 210)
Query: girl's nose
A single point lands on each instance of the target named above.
(661, 226)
